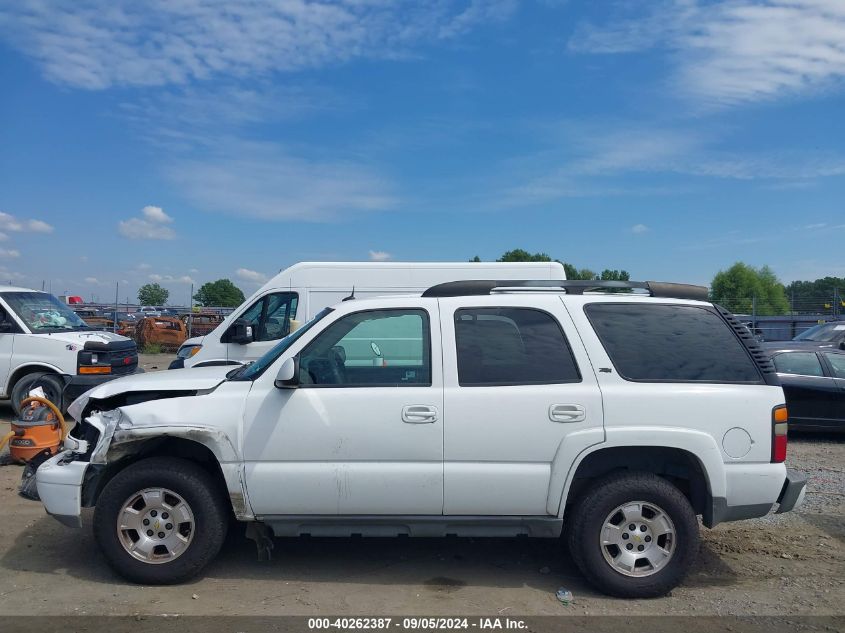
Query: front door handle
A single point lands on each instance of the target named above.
(567, 413)
(419, 414)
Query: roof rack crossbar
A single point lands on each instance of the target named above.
(475, 287)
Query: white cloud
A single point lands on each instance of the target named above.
(38, 226)
(9, 253)
(158, 42)
(587, 154)
(639, 229)
(251, 276)
(172, 115)
(152, 225)
(817, 225)
(93, 281)
(17, 225)
(7, 275)
(263, 181)
(156, 215)
(143, 266)
(193, 271)
(183, 279)
(3, 237)
(379, 256)
(734, 51)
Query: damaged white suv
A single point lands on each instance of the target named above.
(476, 409)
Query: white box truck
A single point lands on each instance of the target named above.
(297, 293)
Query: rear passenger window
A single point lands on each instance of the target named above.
(799, 363)
(511, 346)
(671, 343)
(837, 362)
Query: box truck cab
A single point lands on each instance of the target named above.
(297, 293)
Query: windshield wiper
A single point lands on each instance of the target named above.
(236, 373)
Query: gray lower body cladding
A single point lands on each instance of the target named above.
(421, 525)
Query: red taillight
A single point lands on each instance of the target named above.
(780, 418)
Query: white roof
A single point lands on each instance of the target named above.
(17, 289)
(400, 275)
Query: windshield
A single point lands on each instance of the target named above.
(253, 370)
(43, 313)
(822, 333)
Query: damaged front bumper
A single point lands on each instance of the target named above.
(59, 482)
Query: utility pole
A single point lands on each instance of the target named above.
(191, 311)
(754, 312)
(116, 307)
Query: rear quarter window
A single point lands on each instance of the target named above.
(671, 343)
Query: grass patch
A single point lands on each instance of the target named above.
(151, 348)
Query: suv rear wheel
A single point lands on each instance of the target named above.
(633, 535)
(160, 521)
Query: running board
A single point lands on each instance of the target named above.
(421, 525)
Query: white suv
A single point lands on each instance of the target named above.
(476, 409)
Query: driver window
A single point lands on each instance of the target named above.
(271, 315)
(377, 348)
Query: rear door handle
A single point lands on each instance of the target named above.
(419, 414)
(567, 413)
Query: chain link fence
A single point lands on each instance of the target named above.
(781, 323)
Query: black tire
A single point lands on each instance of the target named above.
(196, 487)
(585, 529)
(52, 384)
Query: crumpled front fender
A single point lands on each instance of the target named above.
(126, 431)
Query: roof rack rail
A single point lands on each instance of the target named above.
(573, 287)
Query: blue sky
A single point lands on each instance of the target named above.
(188, 140)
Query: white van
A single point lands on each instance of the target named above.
(298, 293)
(43, 343)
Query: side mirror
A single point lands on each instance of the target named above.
(288, 376)
(241, 332)
(841, 345)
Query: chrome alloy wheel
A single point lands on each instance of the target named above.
(638, 539)
(155, 525)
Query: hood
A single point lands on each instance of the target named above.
(81, 338)
(198, 379)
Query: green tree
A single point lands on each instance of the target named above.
(575, 273)
(816, 296)
(615, 275)
(737, 287)
(475, 259)
(520, 255)
(153, 295)
(221, 293)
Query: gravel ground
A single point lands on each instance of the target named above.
(789, 564)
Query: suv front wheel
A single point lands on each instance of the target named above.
(633, 535)
(160, 521)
